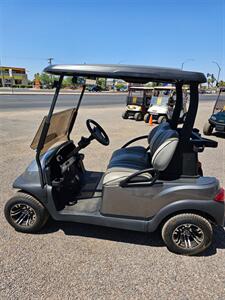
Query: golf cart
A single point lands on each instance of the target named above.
(143, 188)
(217, 119)
(163, 103)
(138, 100)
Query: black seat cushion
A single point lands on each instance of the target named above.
(136, 155)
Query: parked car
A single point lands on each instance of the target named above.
(217, 119)
(95, 88)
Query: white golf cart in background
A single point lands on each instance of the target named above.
(163, 103)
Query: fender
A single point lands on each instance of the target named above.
(210, 207)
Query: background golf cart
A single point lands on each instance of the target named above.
(217, 119)
(162, 105)
(138, 101)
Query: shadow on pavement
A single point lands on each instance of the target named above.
(126, 236)
(218, 242)
(105, 233)
(219, 134)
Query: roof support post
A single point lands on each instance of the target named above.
(45, 130)
(191, 114)
(178, 106)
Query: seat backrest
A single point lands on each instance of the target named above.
(157, 129)
(162, 147)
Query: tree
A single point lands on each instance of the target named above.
(101, 82)
(222, 83)
(47, 80)
(210, 79)
(37, 76)
(68, 82)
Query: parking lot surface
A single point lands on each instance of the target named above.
(77, 261)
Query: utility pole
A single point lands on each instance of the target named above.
(50, 59)
(2, 73)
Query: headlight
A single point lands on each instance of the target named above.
(213, 118)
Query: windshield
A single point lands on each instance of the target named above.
(161, 101)
(59, 129)
(139, 96)
(162, 97)
(136, 93)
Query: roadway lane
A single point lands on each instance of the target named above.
(24, 102)
(12, 102)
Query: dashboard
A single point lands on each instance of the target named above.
(63, 165)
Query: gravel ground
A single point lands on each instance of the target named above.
(77, 261)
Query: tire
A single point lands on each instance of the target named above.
(125, 115)
(207, 129)
(138, 117)
(182, 120)
(25, 213)
(199, 168)
(161, 119)
(190, 225)
(146, 118)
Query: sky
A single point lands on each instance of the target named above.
(144, 32)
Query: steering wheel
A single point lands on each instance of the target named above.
(97, 132)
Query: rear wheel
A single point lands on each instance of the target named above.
(187, 234)
(161, 119)
(146, 118)
(25, 213)
(125, 115)
(207, 129)
(138, 116)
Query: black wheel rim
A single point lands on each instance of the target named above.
(23, 215)
(188, 236)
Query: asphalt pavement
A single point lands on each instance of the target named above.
(17, 101)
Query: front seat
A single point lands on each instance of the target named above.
(138, 155)
(162, 148)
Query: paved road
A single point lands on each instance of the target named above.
(9, 102)
(12, 102)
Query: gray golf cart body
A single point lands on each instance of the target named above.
(141, 187)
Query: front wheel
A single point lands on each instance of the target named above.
(25, 213)
(161, 119)
(207, 129)
(187, 234)
(125, 115)
(146, 118)
(138, 117)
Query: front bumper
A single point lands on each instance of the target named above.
(218, 126)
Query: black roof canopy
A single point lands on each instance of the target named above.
(129, 73)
